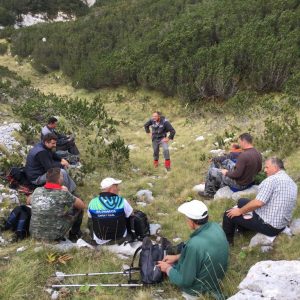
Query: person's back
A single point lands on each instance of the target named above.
(50, 219)
(203, 261)
(249, 164)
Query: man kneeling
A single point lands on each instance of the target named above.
(55, 211)
(108, 213)
(203, 261)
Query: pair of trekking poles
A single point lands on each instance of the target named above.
(125, 272)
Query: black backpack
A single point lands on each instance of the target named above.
(150, 254)
(139, 225)
(19, 220)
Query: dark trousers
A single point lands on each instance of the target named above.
(77, 215)
(254, 224)
(158, 143)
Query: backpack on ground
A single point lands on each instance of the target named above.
(150, 254)
(139, 225)
(18, 180)
(19, 220)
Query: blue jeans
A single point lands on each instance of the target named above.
(156, 144)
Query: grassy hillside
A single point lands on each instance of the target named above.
(190, 48)
(24, 275)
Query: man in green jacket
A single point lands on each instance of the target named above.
(203, 260)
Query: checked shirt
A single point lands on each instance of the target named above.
(279, 193)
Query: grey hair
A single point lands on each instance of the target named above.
(276, 162)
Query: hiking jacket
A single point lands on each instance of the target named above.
(160, 130)
(61, 138)
(108, 216)
(202, 262)
(39, 160)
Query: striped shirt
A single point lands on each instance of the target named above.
(279, 194)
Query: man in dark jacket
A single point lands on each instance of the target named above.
(64, 142)
(249, 164)
(41, 158)
(160, 127)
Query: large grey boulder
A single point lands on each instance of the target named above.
(226, 193)
(272, 280)
(145, 195)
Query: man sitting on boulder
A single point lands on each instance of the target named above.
(271, 211)
(108, 213)
(64, 142)
(249, 164)
(204, 258)
(41, 158)
(54, 210)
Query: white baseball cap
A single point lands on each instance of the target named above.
(108, 182)
(194, 209)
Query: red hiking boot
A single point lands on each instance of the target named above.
(168, 164)
(155, 163)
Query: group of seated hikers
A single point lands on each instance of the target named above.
(56, 211)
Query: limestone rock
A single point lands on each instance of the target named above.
(145, 195)
(261, 240)
(199, 188)
(223, 193)
(248, 193)
(271, 280)
(295, 227)
(154, 228)
(217, 152)
(199, 138)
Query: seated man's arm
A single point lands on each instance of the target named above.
(250, 206)
(187, 273)
(79, 204)
(46, 162)
(238, 171)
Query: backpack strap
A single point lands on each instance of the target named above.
(132, 268)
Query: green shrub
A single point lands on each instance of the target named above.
(3, 48)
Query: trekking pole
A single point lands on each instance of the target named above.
(100, 284)
(125, 272)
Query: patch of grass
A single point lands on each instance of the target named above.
(29, 271)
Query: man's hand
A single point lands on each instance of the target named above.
(64, 162)
(150, 134)
(165, 140)
(164, 267)
(224, 171)
(64, 188)
(234, 212)
(171, 259)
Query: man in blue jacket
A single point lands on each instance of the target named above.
(160, 128)
(41, 158)
(203, 260)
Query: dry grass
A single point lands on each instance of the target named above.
(24, 275)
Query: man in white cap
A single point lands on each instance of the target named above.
(203, 260)
(108, 213)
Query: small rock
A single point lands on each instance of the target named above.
(199, 188)
(154, 228)
(60, 275)
(261, 240)
(150, 184)
(21, 249)
(295, 227)
(177, 240)
(132, 147)
(145, 195)
(217, 152)
(162, 214)
(49, 291)
(55, 295)
(199, 138)
(265, 249)
(248, 193)
(141, 204)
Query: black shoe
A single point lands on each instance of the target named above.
(205, 195)
(74, 237)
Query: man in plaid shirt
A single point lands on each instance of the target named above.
(271, 211)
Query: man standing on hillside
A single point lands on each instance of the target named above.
(249, 164)
(160, 128)
(271, 210)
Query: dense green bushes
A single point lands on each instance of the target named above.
(196, 49)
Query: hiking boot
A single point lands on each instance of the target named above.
(206, 195)
(155, 163)
(73, 237)
(168, 164)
